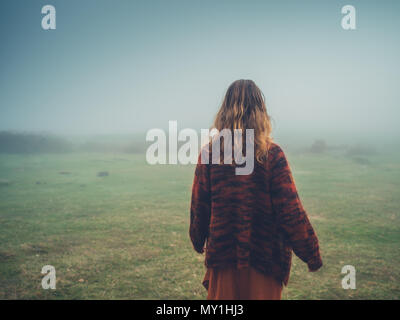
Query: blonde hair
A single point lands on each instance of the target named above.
(244, 108)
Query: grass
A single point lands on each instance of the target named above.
(125, 236)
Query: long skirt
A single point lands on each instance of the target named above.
(240, 284)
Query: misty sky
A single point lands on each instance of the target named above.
(128, 66)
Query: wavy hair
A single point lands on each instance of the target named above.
(244, 108)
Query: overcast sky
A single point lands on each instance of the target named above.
(128, 66)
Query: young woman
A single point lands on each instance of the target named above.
(248, 225)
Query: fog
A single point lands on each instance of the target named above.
(121, 68)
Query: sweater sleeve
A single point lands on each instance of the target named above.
(200, 209)
(291, 215)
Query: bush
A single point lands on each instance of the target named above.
(360, 150)
(319, 146)
(14, 142)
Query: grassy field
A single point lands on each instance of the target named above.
(125, 236)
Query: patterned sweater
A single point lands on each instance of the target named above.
(251, 220)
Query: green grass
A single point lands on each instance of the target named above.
(125, 236)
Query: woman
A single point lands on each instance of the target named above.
(248, 225)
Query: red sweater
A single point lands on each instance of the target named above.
(251, 220)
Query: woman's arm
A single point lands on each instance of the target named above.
(200, 209)
(291, 215)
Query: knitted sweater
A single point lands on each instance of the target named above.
(251, 220)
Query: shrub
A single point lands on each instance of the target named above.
(319, 146)
(15, 142)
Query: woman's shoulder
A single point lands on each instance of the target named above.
(274, 148)
(276, 153)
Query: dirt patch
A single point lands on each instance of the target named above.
(34, 248)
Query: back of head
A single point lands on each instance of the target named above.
(244, 108)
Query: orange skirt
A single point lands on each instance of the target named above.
(240, 284)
